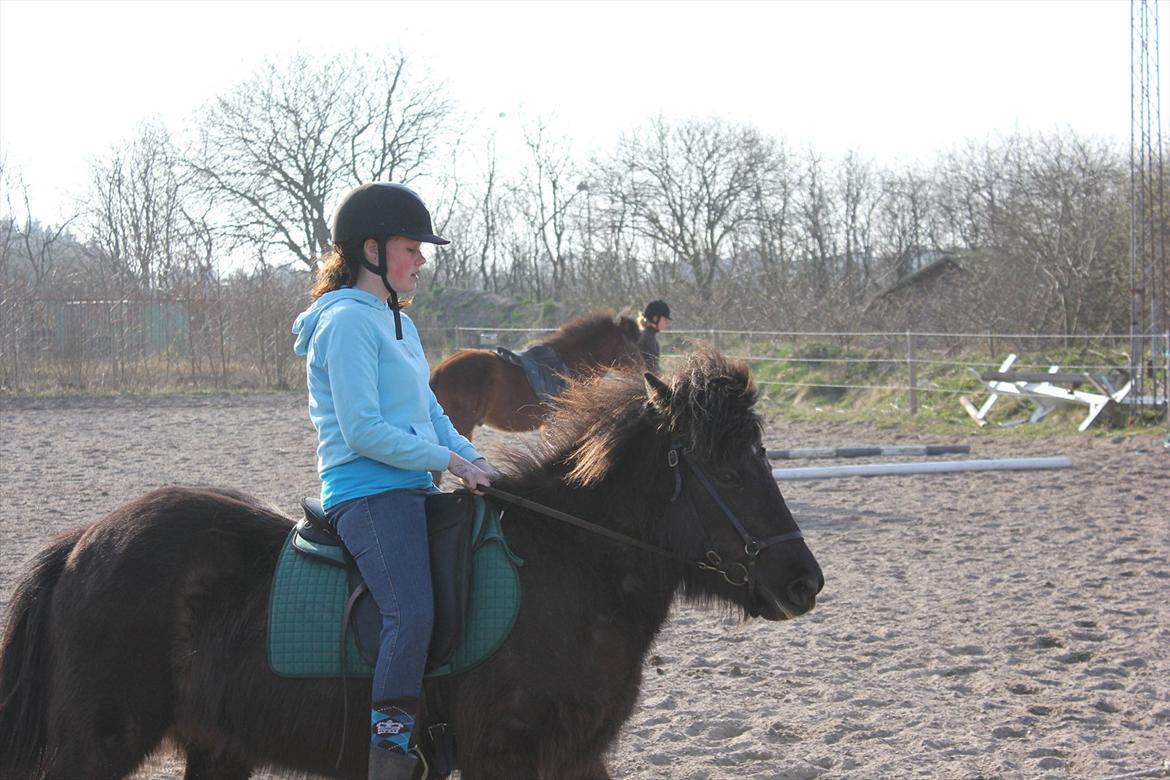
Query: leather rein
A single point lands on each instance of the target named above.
(712, 561)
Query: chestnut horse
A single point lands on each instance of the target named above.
(477, 386)
(149, 625)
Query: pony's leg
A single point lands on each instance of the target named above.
(202, 765)
(94, 735)
(110, 702)
(83, 759)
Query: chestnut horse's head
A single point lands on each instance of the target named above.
(601, 338)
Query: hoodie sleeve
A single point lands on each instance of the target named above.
(352, 358)
(448, 436)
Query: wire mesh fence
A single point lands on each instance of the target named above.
(906, 367)
(239, 341)
(902, 366)
(52, 346)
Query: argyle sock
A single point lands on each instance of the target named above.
(391, 724)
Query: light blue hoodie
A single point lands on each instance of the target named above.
(378, 424)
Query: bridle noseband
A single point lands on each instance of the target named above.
(752, 547)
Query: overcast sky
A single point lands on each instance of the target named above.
(894, 81)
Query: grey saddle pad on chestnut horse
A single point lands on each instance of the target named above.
(542, 365)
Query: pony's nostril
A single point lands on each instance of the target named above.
(802, 591)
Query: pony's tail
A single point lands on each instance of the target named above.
(25, 663)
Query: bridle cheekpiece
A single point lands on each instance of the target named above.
(752, 547)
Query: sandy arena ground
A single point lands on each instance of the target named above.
(1012, 624)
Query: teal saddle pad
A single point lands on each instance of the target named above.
(308, 599)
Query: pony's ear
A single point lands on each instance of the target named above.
(658, 391)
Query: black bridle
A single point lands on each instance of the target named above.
(752, 547)
(712, 561)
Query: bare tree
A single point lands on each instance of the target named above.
(970, 184)
(860, 199)
(690, 188)
(9, 231)
(552, 187)
(615, 273)
(452, 261)
(904, 220)
(282, 147)
(489, 216)
(1067, 219)
(135, 207)
(22, 234)
(774, 200)
(818, 223)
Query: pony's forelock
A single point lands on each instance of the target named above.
(712, 404)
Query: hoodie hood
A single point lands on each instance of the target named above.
(306, 322)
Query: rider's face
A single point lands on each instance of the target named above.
(404, 260)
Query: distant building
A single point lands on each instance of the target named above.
(934, 298)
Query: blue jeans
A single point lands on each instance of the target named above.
(387, 536)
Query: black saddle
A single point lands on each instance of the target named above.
(542, 365)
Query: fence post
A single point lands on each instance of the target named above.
(913, 372)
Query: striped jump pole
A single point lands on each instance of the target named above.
(922, 467)
(871, 452)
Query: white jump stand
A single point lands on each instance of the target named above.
(1049, 391)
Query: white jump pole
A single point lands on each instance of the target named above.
(925, 467)
(928, 450)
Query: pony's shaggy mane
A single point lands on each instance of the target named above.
(709, 410)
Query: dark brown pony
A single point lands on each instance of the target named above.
(150, 624)
(477, 387)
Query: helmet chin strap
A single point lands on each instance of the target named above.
(382, 269)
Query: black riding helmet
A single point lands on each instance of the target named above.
(380, 210)
(656, 309)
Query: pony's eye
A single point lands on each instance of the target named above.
(727, 476)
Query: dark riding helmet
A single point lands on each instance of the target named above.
(656, 309)
(380, 210)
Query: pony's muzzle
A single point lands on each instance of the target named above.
(802, 592)
(789, 601)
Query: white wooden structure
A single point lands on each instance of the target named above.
(1051, 390)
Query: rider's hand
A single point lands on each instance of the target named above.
(487, 468)
(472, 477)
